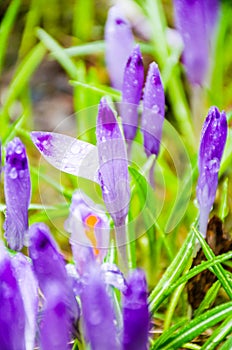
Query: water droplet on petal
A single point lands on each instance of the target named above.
(213, 165)
(105, 189)
(19, 149)
(13, 174)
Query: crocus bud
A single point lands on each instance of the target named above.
(153, 110)
(131, 93)
(196, 22)
(213, 139)
(88, 225)
(113, 164)
(17, 187)
(135, 313)
(49, 266)
(119, 45)
(12, 315)
(98, 313)
(28, 286)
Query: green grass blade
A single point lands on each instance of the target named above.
(208, 299)
(172, 273)
(219, 335)
(21, 77)
(5, 28)
(104, 90)
(218, 270)
(58, 53)
(197, 326)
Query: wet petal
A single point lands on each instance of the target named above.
(12, 315)
(67, 153)
(113, 171)
(55, 325)
(17, 188)
(28, 286)
(119, 45)
(213, 139)
(135, 312)
(98, 312)
(49, 265)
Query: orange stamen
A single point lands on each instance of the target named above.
(91, 222)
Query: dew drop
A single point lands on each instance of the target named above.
(135, 82)
(214, 165)
(19, 149)
(155, 108)
(105, 189)
(13, 174)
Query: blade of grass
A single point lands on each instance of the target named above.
(218, 270)
(172, 273)
(208, 299)
(219, 334)
(21, 77)
(98, 47)
(223, 206)
(103, 89)
(196, 326)
(5, 28)
(58, 53)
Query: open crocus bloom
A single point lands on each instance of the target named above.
(213, 139)
(88, 225)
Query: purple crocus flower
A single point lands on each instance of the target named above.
(213, 139)
(135, 312)
(88, 225)
(196, 20)
(113, 164)
(49, 267)
(97, 311)
(131, 93)
(17, 187)
(12, 315)
(119, 45)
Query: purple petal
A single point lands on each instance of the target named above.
(113, 171)
(67, 154)
(196, 21)
(119, 45)
(49, 265)
(17, 187)
(88, 225)
(135, 313)
(28, 286)
(12, 315)
(153, 110)
(98, 313)
(212, 145)
(131, 93)
(55, 325)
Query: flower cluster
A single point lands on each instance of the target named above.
(42, 297)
